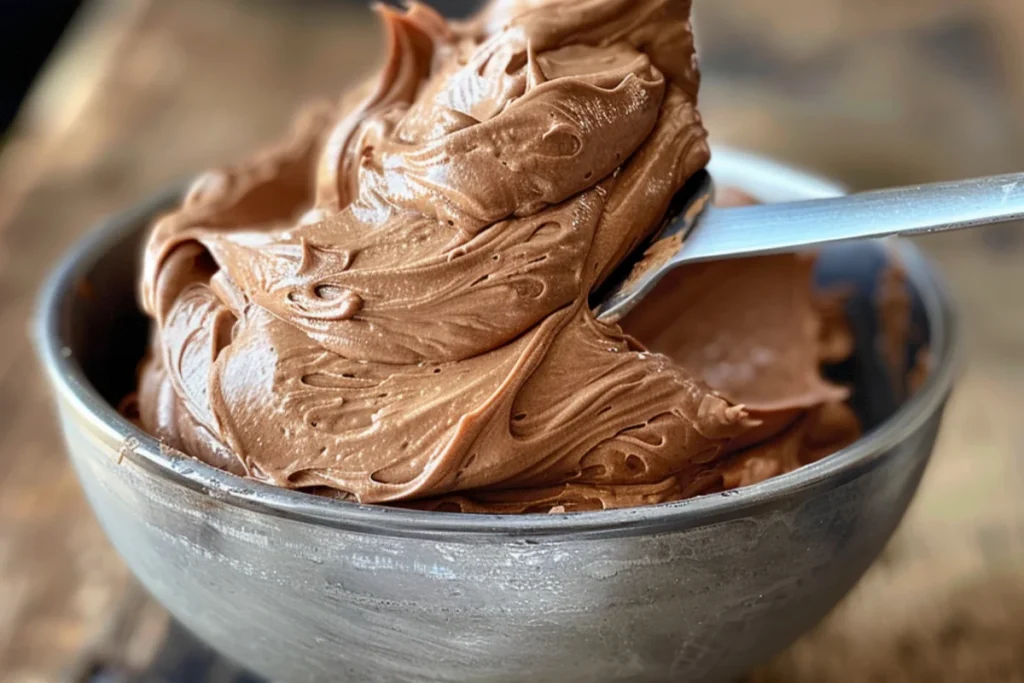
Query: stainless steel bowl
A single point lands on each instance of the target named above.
(300, 588)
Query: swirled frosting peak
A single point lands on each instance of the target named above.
(391, 305)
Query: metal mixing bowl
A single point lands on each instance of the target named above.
(300, 588)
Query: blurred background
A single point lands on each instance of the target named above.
(105, 101)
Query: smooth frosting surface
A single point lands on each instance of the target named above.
(391, 305)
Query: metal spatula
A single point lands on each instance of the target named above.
(698, 231)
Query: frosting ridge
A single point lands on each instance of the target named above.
(391, 305)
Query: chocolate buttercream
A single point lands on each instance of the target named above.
(391, 305)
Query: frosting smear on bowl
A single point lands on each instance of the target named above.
(391, 305)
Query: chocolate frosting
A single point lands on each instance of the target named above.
(391, 305)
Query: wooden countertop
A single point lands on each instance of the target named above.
(145, 91)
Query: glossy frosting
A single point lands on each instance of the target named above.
(391, 305)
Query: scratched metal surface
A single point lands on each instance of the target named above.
(300, 602)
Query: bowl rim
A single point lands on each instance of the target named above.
(131, 444)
